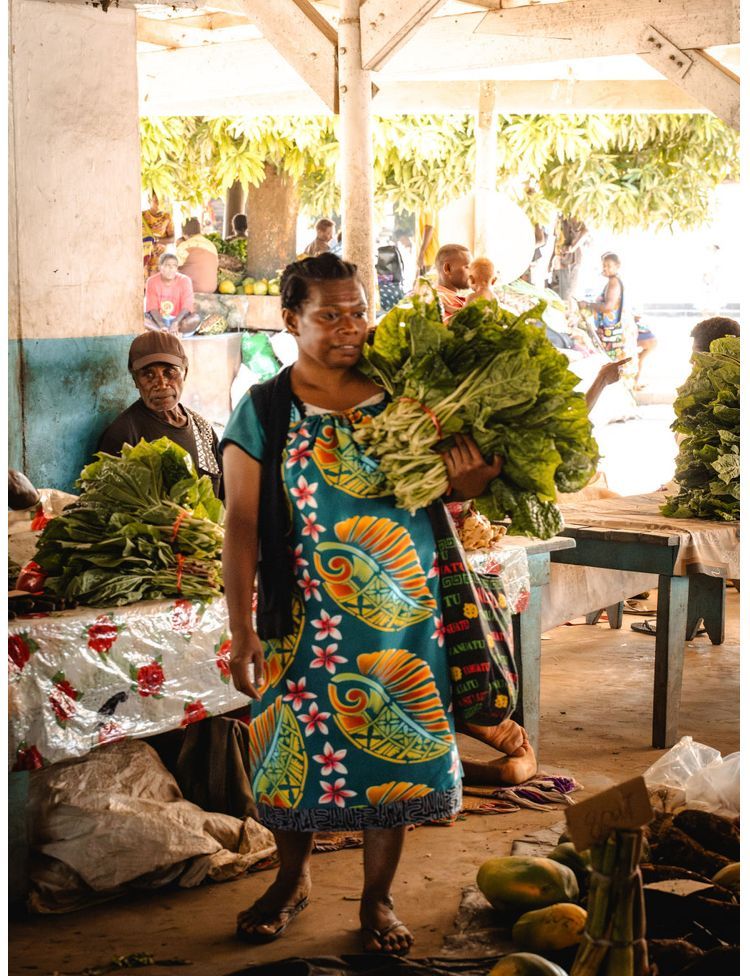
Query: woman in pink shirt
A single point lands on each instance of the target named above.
(169, 299)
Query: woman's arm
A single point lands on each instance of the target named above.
(240, 561)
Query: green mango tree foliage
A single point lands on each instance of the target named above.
(619, 171)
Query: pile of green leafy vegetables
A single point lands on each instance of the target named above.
(145, 527)
(236, 248)
(708, 413)
(494, 375)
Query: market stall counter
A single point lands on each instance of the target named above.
(692, 559)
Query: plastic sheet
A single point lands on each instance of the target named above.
(696, 776)
(82, 678)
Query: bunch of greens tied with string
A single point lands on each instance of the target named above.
(707, 412)
(145, 527)
(490, 374)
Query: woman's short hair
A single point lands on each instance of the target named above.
(297, 277)
(717, 327)
(239, 223)
(167, 256)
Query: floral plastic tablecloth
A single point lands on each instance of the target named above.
(81, 678)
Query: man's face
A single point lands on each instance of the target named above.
(456, 271)
(168, 269)
(610, 268)
(160, 385)
(325, 234)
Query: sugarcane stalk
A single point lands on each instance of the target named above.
(593, 949)
(620, 958)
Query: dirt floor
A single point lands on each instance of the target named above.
(595, 726)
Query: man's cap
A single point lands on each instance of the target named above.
(156, 347)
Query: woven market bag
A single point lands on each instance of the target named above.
(477, 632)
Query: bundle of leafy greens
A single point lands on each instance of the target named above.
(490, 374)
(708, 413)
(145, 527)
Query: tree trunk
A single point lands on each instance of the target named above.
(271, 210)
(234, 204)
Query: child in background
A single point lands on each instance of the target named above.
(481, 278)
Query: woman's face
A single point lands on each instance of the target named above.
(610, 268)
(331, 326)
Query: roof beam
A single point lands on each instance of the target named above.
(188, 31)
(563, 31)
(386, 25)
(303, 37)
(697, 73)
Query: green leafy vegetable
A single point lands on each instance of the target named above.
(145, 527)
(491, 374)
(708, 413)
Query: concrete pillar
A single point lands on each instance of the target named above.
(357, 179)
(75, 253)
(486, 167)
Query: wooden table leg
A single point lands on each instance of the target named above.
(671, 621)
(527, 642)
(707, 602)
(614, 615)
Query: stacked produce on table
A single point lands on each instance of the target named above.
(708, 413)
(491, 374)
(145, 527)
(238, 283)
(565, 911)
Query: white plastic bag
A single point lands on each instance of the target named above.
(695, 775)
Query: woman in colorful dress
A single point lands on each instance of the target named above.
(158, 231)
(608, 307)
(353, 729)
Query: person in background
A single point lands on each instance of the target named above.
(481, 278)
(169, 299)
(427, 231)
(717, 327)
(452, 263)
(337, 247)
(158, 365)
(158, 231)
(608, 307)
(405, 247)
(323, 236)
(239, 227)
(198, 258)
(572, 236)
(646, 344)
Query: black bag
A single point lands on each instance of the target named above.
(477, 631)
(390, 264)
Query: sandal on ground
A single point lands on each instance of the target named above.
(649, 627)
(380, 934)
(253, 933)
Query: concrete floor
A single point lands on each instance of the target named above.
(596, 726)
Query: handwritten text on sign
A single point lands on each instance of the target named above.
(624, 807)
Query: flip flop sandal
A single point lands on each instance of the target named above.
(649, 627)
(380, 934)
(285, 916)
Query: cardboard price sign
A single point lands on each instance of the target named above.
(624, 807)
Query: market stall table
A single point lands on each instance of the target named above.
(692, 558)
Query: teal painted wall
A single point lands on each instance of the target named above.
(15, 412)
(66, 391)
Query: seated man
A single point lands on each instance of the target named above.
(169, 299)
(452, 265)
(158, 365)
(323, 236)
(198, 258)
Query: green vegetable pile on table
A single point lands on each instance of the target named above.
(708, 412)
(490, 374)
(236, 248)
(145, 527)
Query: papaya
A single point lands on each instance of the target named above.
(525, 964)
(579, 862)
(523, 883)
(550, 929)
(728, 877)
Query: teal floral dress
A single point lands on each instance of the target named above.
(354, 728)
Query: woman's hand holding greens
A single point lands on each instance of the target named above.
(468, 472)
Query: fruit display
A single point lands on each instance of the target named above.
(552, 928)
(237, 283)
(517, 884)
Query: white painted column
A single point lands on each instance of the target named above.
(485, 177)
(356, 166)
